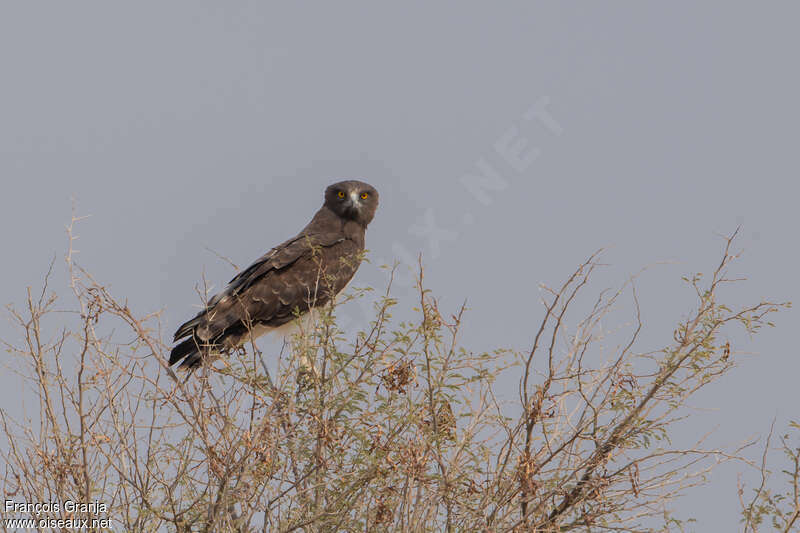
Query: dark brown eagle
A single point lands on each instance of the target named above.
(306, 271)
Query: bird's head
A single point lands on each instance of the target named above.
(352, 199)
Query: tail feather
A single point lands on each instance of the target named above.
(187, 328)
(192, 361)
(187, 349)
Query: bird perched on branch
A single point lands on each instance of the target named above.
(306, 271)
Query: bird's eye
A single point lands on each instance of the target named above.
(364, 195)
(340, 194)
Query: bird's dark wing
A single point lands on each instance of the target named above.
(273, 287)
(280, 257)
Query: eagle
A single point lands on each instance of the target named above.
(303, 272)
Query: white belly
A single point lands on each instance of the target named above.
(297, 325)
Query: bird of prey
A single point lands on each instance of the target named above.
(306, 271)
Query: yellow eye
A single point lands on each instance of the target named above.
(364, 195)
(340, 194)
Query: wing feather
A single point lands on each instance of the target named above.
(272, 289)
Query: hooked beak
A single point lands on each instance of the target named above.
(353, 204)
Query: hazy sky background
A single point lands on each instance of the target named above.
(650, 128)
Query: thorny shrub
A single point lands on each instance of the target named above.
(394, 428)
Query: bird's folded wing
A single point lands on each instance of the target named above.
(280, 257)
(275, 299)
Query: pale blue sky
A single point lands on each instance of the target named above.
(184, 125)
